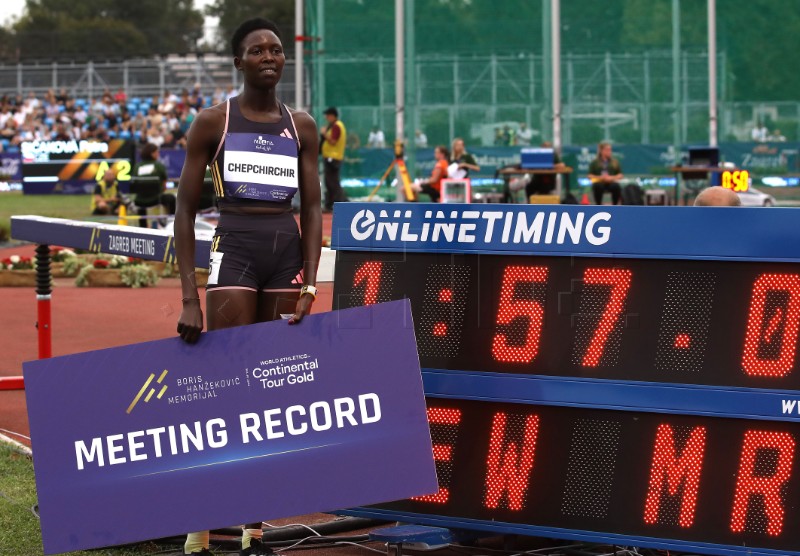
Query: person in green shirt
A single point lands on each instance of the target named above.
(605, 174)
(150, 166)
(464, 162)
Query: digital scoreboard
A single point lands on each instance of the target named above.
(737, 180)
(625, 375)
(73, 166)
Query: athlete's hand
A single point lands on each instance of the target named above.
(302, 309)
(190, 323)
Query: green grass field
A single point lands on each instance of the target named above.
(59, 206)
(19, 526)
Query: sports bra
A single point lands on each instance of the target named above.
(255, 161)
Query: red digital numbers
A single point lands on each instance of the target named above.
(512, 308)
(448, 309)
(510, 460)
(369, 274)
(758, 476)
(674, 470)
(443, 307)
(619, 279)
(444, 434)
(770, 343)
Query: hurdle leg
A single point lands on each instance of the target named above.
(43, 294)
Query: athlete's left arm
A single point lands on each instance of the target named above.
(310, 210)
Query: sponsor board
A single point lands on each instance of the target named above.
(303, 415)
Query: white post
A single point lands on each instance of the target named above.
(676, 78)
(299, 43)
(555, 37)
(555, 34)
(400, 82)
(712, 73)
(399, 69)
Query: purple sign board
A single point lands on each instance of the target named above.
(156, 439)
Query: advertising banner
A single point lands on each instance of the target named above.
(10, 167)
(251, 423)
(173, 159)
(73, 166)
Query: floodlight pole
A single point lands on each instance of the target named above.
(712, 73)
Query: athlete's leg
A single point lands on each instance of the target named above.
(274, 303)
(225, 308)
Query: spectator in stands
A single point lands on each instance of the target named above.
(10, 130)
(125, 120)
(169, 141)
(420, 140)
(61, 133)
(232, 92)
(776, 136)
(154, 136)
(524, 135)
(62, 96)
(120, 96)
(33, 100)
(197, 99)
(605, 173)
(80, 115)
(106, 198)
(500, 139)
(154, 118)
(717, 196)
(376, 139)
(759, 133)
(218, 97)
(168, 102)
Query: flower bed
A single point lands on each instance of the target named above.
(17, 271)
(17, 278)
(116, 271)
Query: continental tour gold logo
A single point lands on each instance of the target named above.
(147, 383)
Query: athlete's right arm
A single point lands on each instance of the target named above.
(201, 145)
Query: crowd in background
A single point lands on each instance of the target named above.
(160, 120)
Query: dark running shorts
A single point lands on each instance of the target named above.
(256, 252)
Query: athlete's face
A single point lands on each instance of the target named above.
(262, 57)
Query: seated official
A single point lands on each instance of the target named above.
(433, 185)
(150, 166)
(106, 198)
(605, 173)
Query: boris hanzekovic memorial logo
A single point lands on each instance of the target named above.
(145, 386)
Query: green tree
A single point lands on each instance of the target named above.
(102, 29)
(233, 12)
